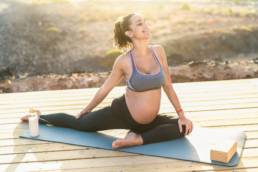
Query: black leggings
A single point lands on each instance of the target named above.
(117, 116)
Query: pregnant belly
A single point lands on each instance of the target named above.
(143, 108)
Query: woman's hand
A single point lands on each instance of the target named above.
(187, 123)
(83, 112)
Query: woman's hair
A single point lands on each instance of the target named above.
(121, 40)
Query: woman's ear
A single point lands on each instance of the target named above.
(128, 33)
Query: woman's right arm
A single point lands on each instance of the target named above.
(115, 77)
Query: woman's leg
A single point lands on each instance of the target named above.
(101, 119)
(161, 129)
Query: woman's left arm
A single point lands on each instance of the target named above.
(170, 92)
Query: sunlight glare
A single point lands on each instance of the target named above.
(3, 6)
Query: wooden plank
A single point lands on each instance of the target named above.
(250, 169)
(218, 122)
(194, 118)
(120, 133)
(196, 115)
(60, 155)
(165, 108)
(165, 101)
(155, 168)
(247, 81)
(140, 162)
(251, 134)
(177, 86)
(47, 147)
(119, 90)
(165, 169)
(244, 127)
(251, 143)
(78, 102)
(39, 96)
(16, 142)
(83, 153)
(21, 106)
(209, 114)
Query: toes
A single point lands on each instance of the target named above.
(116, 144)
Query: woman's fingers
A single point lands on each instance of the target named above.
(82, 113)
(190, 127)
(180, 125)
(79, 115)
(187, 129)
(185, 126)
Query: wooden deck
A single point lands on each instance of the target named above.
(229, 103)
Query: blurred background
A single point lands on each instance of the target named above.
(67, 44)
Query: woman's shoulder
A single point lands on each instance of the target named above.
(124, 57)
(157, 46)
(123, 60)
(159, 50)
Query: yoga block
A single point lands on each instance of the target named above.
(223, 151)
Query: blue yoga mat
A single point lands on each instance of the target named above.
(193, 147)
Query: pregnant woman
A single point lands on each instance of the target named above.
(145, 69)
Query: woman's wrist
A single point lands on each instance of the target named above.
(179, 110)
(180, 113)
(86, 110)
(181, 116)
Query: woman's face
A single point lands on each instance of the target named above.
(139, 28)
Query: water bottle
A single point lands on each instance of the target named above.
(34, 125)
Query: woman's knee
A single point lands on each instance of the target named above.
(171, 130)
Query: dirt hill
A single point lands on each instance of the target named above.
(61, 37)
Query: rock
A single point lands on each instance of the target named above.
(195, 71)
(201, 71)
(5, 85)
(57, 82)
(255, 60)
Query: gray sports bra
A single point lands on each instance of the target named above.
(142, 82)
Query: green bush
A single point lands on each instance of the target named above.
(53, 29)
(186, 7)
(110, 55)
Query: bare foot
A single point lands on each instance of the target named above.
(132, 139)
(25, 118)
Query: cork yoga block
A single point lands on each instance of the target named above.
(223, 151)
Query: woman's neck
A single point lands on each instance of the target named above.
(141, 50)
